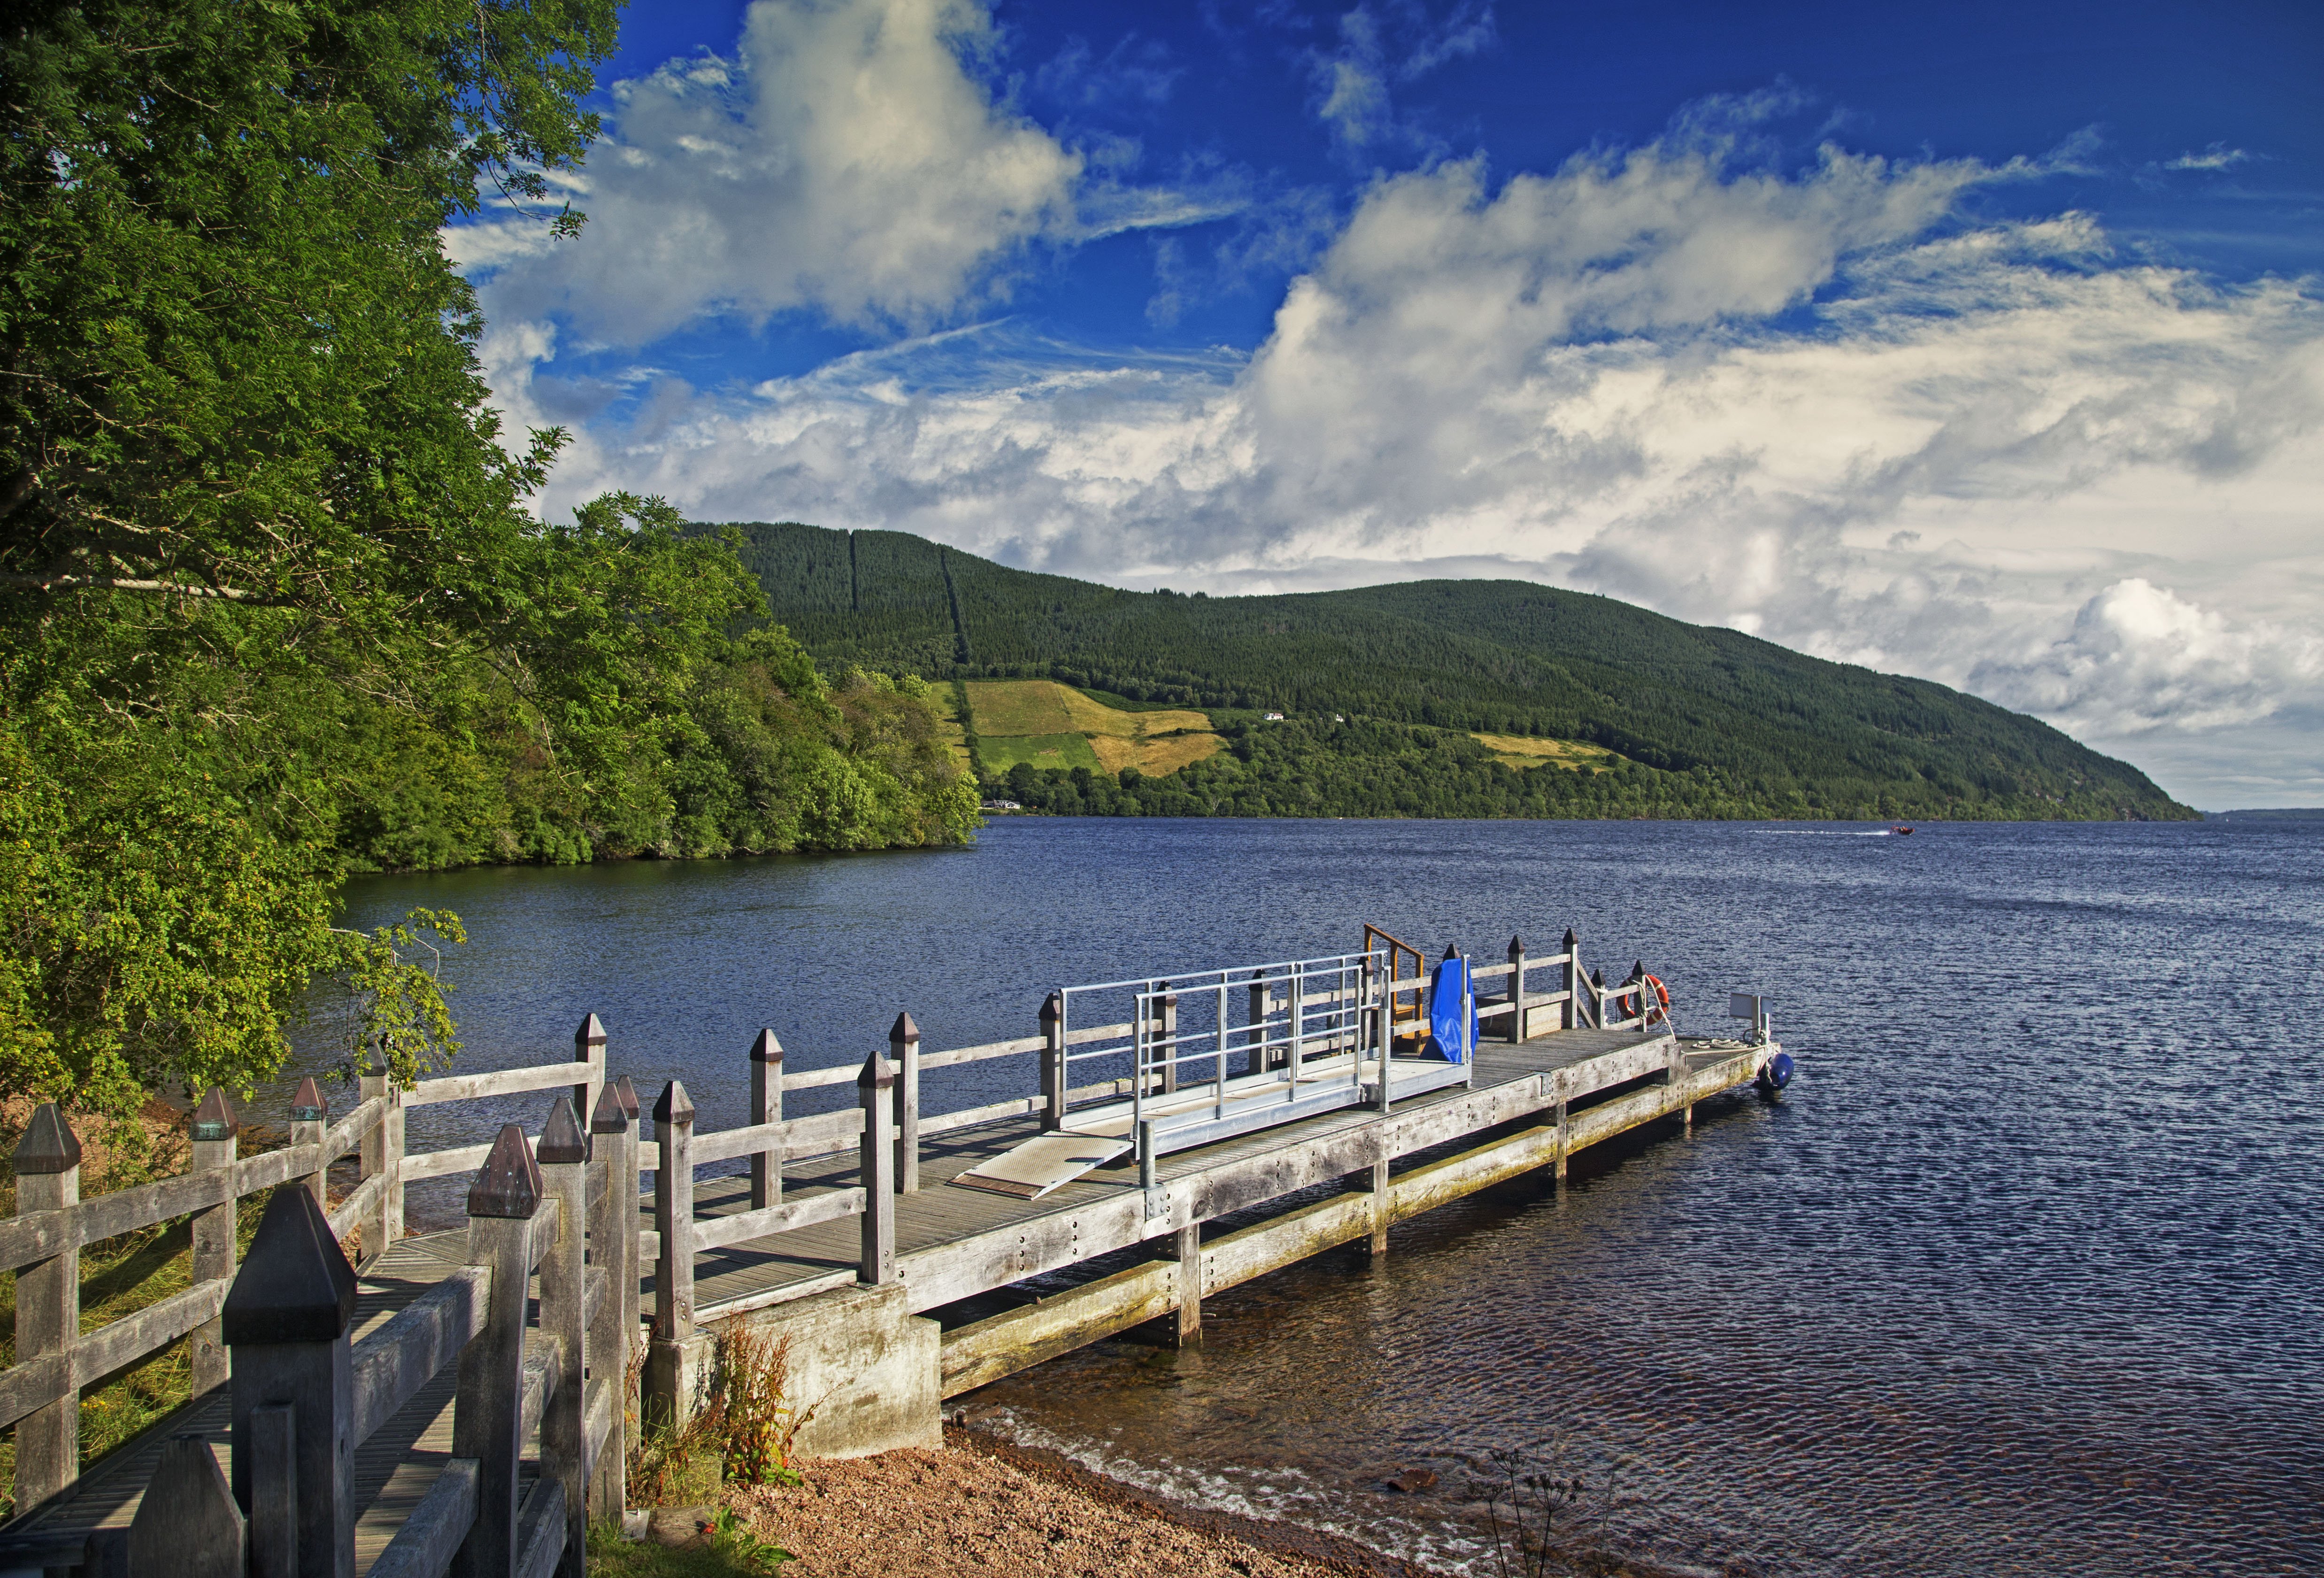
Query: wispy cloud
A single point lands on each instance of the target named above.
(2217, 156)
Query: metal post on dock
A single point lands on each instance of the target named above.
(563, 1154)
(216, 1140)
(310, 1118)
(613, 1255)
(1259, 1058)
(382, 1153)
(1569, 1015)
(767, 1107)
(876, 1163)
(48, 1305)
(488, 1408)
(291, 1401)
(1053, 1061)
(1295, 1030)
(1517, 989)
(673, 1116)
(1167, 1023)
(904, 1051)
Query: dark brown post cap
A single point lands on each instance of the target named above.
(1570, 939)
(607, 1116)
(1053, 1007)
(628, 1094)
(592, 1033)
(765, 1048)
(903, 1030)
(306, 1104)
(509, 1183)
(674, 1105)
(878, 1074)
(49, 1145)
(1638, 971)
(1517, 947)
(562, 1142)
(296, 1286)
(1451, 950)
(1598, 977)
(215, 1119)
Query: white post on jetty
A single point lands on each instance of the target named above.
(1053, 1061)
(613, 1255)
(382, 1155)
(1569, 1015)
(876, 1162)
(767, 1107)
(563, 1154)
(488, 1410)
(904, 1051)
(1517, 989)
(673, 1117)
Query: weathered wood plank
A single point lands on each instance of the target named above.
(424, 1546)
(506, 1082)
(712, 1232)
(1253, 1252)
(542, 1531)
(360, 1206)
(48, 1378)
(983, 1353)
(394, 1362)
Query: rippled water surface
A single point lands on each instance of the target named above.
(2023, 1275)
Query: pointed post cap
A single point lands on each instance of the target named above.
(607, 1116)
(903, 1030)
(629, 1097)
(1517, 947)
(1598, 977)
(878, 1073)
(765, 1048)
(187, 1522)
(306, 1104)
(1570, 939)
(562, 1142)
(592, 1033)
(49, 1145)
(215, 1119)
(673, 1105)
(296, 1286)
(1451, 950)
(509, 1183)
(1053, 1007)
(1638, 971)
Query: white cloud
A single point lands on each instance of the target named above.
(2217, 156)
(844, 161)
(1818, 406)
(1395, 42)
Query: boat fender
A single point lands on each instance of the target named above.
(1775, 1072)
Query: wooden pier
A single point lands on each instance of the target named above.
(1327, 1099)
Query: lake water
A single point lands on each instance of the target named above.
(2023, 1274)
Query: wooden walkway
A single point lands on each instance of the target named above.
(953, 1243)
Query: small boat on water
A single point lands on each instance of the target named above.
(1900, 831)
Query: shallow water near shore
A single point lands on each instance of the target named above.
(2022, 1275)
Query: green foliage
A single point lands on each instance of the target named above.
(1719, 722)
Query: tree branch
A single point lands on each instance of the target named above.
(116, 584)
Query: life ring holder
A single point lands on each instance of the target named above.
(1657, 1003)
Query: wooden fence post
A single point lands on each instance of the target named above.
(589, 1048)
(488, 1408)
(1517, 989)
(673, 1117)
(1565, 1129)
(633, 1249)
(876, 1160)
(293, 1397)
(186, 1524)
(214, 1131)
(382, 1152)
(1053, 1062)
(1187, 1248)
(48, 1307)
(904, 1052)
(563, 1154)
(1569, 1017)
(1598, 1000)
(767, 1107)
(310, 1117)
(612, 1253)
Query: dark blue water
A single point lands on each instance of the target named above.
(2026, 1274)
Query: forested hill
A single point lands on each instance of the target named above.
(1707, 721)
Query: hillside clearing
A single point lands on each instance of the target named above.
(1527, 751)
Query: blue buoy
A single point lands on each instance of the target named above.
(1775, 1072)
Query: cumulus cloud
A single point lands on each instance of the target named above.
(1818, 405)
(842, 161)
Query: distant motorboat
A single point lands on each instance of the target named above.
(1900, 831)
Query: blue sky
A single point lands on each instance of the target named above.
(1979, 342)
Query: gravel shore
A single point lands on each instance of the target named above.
(983, 1508)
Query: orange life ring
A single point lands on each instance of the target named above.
(1658, 1007)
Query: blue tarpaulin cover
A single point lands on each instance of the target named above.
(1448, 991)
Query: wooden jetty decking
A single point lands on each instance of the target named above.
(845, 1253)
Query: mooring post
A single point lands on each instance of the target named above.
(563, 1154)
(673, 1117)
(1563, 1143)
(488, 1408)
(904, 1051)
(215, 1142)
(1569, 1015)
(1165, 1025)
(767, 1107)
(382, 1155)
(1053, 1061)
(48, 1306)
(292, 1398)
(589, 1049)
(309, 1118)
(1187, 1248)
(1517, 989)
(1260, 1060)
(876, 1161)
(612, 1241)
(186, 1524)
(1378, 1188)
